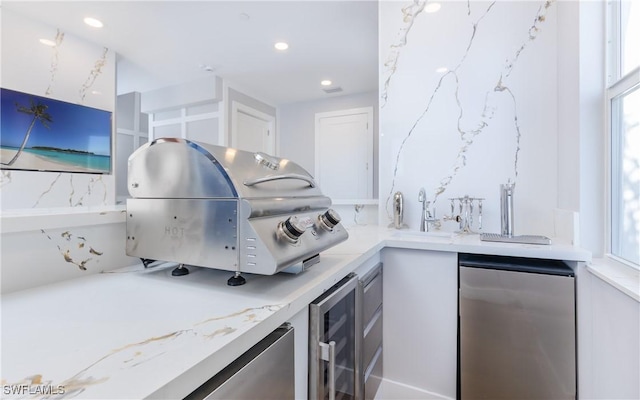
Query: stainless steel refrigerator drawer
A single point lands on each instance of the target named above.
(517, 329)
(373, 375)
(372, 337)
(372, 294)
(266, 371)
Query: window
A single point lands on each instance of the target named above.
(623, 93)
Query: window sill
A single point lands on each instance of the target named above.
(622, 277)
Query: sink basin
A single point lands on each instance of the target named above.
(419, 234)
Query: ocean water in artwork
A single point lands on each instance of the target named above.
(89, 161)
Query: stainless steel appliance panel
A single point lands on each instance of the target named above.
(372, 294)
(334, 343)
(176, 168)
(517, 332)
(274, 254)
(264, 372)
(196, 232)
(271, 213)
(372, 305)
(372, 337)
(373, 376)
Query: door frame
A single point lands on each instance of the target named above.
(237, 107)
(341, 113)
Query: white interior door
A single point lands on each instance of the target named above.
(344, 153)
(252, 130)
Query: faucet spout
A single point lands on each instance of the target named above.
(426, 218)
(425, 215)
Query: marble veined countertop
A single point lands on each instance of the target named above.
(139, 333)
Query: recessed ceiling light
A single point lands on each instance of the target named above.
(326, 82)
(442, 70)
(281, 46)
(96, 92)
(95, 23)
(432, 7)
(48, 42)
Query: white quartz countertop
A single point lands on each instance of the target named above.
(140, 333)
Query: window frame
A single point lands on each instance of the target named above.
(618, 86)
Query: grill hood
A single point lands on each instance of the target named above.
(224, 208)
(179, 168)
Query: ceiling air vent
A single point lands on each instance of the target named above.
(333, 90)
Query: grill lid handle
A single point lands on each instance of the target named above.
(256, 181)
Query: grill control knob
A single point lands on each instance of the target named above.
(291, 229)
(329, 219)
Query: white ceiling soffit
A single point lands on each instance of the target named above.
(163, 43)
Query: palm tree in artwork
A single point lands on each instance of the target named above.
(39, 113)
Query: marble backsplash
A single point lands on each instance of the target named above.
(33, 258)
(24, 190)
(468, 101)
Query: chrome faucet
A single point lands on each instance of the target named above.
(425, 218)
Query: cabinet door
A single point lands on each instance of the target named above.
(420, 325)
(372, 360)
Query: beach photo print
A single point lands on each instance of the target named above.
(42, 134)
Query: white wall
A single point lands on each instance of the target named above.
(592, 125)
(581, 126)
(458, 134)
(56, 225)
(568, 105)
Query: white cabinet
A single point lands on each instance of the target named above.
(420, 292)
(300, 323)
(608, 340)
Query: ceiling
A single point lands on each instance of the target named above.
(161, 43)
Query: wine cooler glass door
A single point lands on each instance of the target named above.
(334, 345)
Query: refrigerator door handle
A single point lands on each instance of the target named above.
(328, 353)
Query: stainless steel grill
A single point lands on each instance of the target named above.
(219, 207)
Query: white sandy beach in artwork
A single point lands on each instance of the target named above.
(35, 162)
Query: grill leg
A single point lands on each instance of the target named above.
(236, 280)
(180, 271)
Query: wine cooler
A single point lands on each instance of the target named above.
(335, 333)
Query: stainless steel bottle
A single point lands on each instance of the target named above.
(506, 208)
